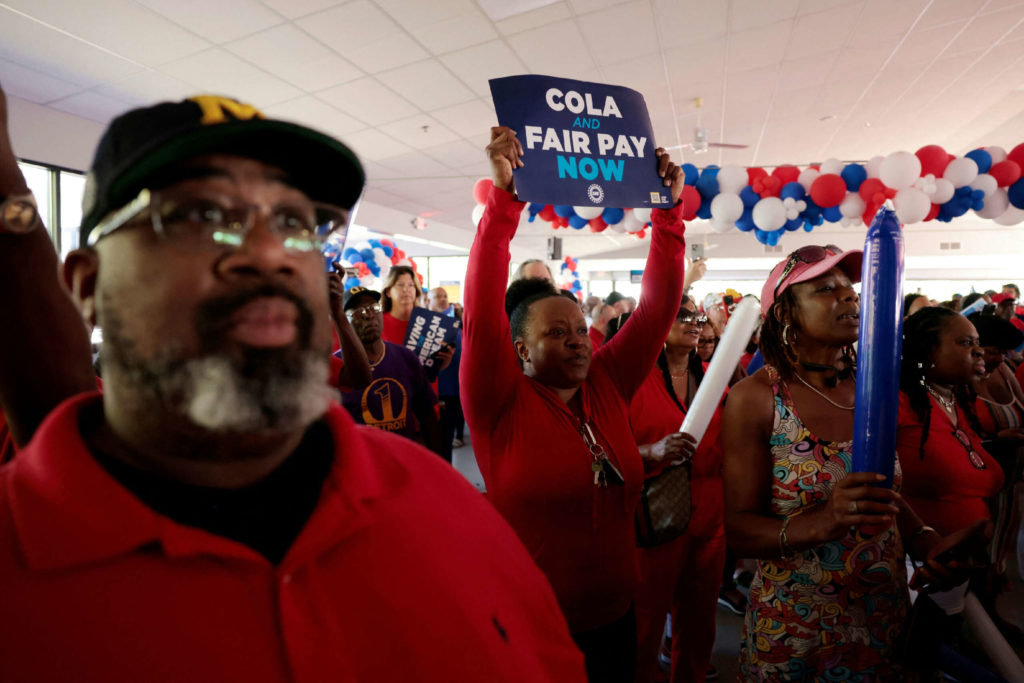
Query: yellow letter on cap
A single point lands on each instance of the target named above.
(215, 109)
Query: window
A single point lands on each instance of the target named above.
(58, 193)
(72, 187)
(41, 185)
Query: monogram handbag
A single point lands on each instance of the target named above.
(665, 505)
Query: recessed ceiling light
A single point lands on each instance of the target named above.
(503, 9)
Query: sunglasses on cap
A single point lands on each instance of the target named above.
(808, 255)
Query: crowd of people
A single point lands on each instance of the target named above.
(254, 482)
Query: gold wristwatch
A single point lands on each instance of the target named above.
(18, 214)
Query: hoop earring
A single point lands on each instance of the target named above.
(787, 348)
(785, 332)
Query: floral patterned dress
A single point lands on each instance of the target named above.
(834, 612)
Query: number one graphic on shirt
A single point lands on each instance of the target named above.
(387, 413)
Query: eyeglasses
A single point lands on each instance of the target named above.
(693, 319)
(972, 455)
(365, 311)
(809, 254)
(209, 220)
(707, 342)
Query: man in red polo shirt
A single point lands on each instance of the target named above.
(215, 515)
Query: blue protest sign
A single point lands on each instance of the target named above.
(427, 331)
(584, 144)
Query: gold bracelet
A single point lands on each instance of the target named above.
(19, 214)
(785, 552)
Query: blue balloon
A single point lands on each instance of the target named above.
(854, 175)
(879, 345)
(535, 208)
(707, 184)
(611, 215)
(808, 225)
(794, 224)
(563, 211)
(832, 214)
(690, 174)
(761, 235)
(577, 222)
(576, 286)
(792, 190)
(375, 244)
(389, 252)
(774, 237)
(1016, 194)
(749, 197)
(705, 208)
(368, 256)
(982, 158)
(351, 282)
(352, 256)
(755, 363)
(745, 222)
(977, 200)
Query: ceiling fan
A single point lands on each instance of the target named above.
(700, 136)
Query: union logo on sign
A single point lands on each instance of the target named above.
(595, 193)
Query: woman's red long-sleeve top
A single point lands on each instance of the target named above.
(528, 443)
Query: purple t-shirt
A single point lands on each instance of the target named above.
(399, 391)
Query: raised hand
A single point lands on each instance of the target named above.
(505, 154)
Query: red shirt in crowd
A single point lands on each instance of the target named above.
(945, 488)
(528, 444)
(653, 415)
(402, 573)
(394, 329)
(596, 337)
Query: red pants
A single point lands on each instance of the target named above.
(681, 577)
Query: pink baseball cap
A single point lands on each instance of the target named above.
(807, 263)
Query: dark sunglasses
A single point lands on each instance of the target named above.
(812, 253)
(692, 318)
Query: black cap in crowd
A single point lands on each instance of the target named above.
(142, 144)
(355, 292)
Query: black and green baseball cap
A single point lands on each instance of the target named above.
(141, 144)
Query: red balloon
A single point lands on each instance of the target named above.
(362, 269)
(872, 190)
(933, 159)
(642, 234)
(1006, 172)
(769, 186)
(933, 212)
(755, 173)
(1017, 154)
(597, 224)
(787, 174)
(573, 266)
(563, 221)
(828, 190)
(482, 189)
(548, 213)
(568, 260)
(691, 202)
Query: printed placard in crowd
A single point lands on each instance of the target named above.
(426, 333)
(584, 144)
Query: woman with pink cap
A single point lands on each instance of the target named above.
(829, 597)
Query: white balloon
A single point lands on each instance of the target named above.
(769, 214)
(643, 214)
(997, 153)
(985, 183)
(588, 212)
(943, 191)
(478, 213)
(873, 166)
(912, 205)
(900, 170)
(852, 206)
(961, 172)
(619, 227)
(1012, 216)
(732, 179)
(995, 204)
(722, 226)
(366, 280)
(832, 166)
(807, 178)
(726, 208)
(631, 223)
(364, 244)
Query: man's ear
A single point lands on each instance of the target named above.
(80, 272)
(522, 351)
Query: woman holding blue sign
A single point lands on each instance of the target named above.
(829, 597)
(550, 417)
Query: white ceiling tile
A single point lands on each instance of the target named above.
(631, 23)
(293, 9)
(822, 31)
(417, 14)
(121, 26)
(758, 47)
(747, 14)
(368, 100)
(312, 112)
(420, 132)
(541, 16)
(455, 33)
(371, 40)
(585, 6)
(458, 154)
(752, 86)
(796, 73)
(889, 18)
(220, 72)
(692, 21)
(689, 61)
(418, 165)
(32, 85)
(295, 56)
(148, 86)
(814, 6)
(925, 44)
(375, 170)
(57, 54)
(476, 65)
(986, 30)
(946, 11)
(638, 75)
(219, 21)
(374, 145)
(91, 105)
(467, 118)
(428, 84)
(559, 46)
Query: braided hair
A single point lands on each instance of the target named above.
(920, 339)
(781, 355)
